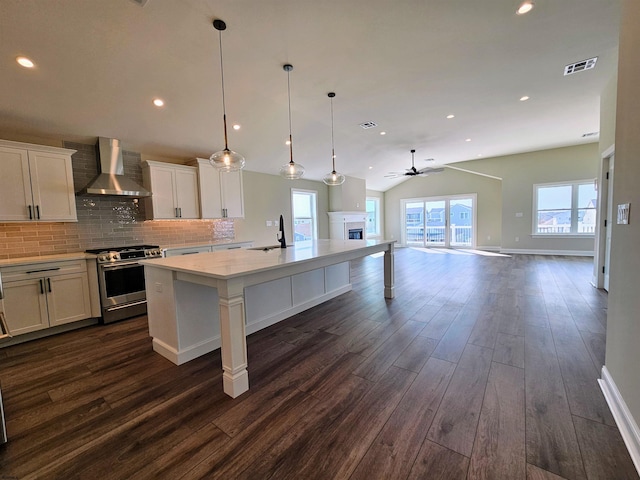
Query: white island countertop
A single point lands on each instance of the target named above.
(228, 264)
(197, 303)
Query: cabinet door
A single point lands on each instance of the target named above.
(52, 184)
(187, 193)
(163, 200)
(25, 306)
(68, 298)
(232, 194)
(15, 185)
(210, 196)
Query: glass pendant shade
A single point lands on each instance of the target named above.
(333, 178)
(291, 170)
(225, 160)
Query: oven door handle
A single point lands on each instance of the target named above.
(117, 266)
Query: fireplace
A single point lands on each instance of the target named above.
(347, 225)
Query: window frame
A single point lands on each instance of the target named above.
(575, 208)
(314, 212)
(376, 201)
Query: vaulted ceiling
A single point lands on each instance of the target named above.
(404, 65)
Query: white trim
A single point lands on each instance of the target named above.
(314, 219)
(560, 235)
(625, 421)
(186, 354)
(566, 253)
(574, 209)
(472, 172)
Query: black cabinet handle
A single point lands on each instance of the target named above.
(30, 212)
(49, 284)
(44, 270)
(41, 286)
(38, 212)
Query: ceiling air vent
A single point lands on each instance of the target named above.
(580, 66)
(367, 125)
(590, 134)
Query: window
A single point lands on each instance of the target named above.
(565, 208)
(305, 213)
(373, 216)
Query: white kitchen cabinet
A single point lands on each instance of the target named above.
(176, 251)
(174, 190)
(39, 296)
(36, 183)
(221, 194)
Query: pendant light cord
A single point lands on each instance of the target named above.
(289, 95)
(333, 152)
(224, 107)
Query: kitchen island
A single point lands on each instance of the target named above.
(198, 303)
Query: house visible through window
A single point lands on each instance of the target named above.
(565, 208)
(373, 216)
(305, 213)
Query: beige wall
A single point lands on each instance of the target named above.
(623, 325)
(266, 197)
(449, 182)
(514, 195)
(348, 197)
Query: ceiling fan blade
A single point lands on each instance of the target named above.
(429, 170)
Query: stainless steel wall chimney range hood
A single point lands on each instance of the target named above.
(110, 179)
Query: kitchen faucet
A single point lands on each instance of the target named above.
(281, 239)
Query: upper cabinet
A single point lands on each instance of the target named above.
(174, 190)
(36, 183)
(221, 194)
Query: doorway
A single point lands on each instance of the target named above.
(447, 222)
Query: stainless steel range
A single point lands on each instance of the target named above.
(121, 280)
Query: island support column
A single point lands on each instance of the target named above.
(388, 273)
(235, 378)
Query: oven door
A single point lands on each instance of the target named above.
(121, 286)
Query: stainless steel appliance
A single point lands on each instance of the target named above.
(121, 280)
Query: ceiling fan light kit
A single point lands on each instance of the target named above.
(291, 170)
(225, 160)
(333, 178)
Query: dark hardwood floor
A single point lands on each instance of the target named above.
(481, 367)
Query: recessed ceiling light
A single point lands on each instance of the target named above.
(236, 127)
(158, 102)
(370, 168)
(383, 133)
(524, 98)
(450, 116)
(468, 140)
(479, 154)
(25, 62)
(526, 7)
(288, 142)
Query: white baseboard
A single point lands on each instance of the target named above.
(183, 356)
(625, 421)
(565, 253)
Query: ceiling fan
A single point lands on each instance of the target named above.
(413, 171)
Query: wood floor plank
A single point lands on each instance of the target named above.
(455, 339)
(416, 354)
(499, 447)
(603, 451)
(396, 447)
(457, 418)
(537, 473)
(509, 349)
(550, 435)
(440, 322)
(596, 345)
(436, 462)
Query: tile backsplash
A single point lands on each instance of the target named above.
(105, 221)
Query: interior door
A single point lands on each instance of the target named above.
(607, 253)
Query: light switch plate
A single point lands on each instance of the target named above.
(623, 214)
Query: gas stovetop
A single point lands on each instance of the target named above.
(116, 254)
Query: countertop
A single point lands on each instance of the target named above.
(227, 264)
(213, 243)
(60, 257)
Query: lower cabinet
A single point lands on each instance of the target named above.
(45, 295)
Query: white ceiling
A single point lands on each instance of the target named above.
(403, 64)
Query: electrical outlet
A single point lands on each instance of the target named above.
(158, 287)
(517, 239)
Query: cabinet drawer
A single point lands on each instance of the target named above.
(45, 269)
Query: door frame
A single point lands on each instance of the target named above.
(605, 193)
(447, 199)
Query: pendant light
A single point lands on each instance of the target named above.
(333, 178)
(225, 160)
(291, 170)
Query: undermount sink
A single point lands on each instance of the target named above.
(268, 247)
